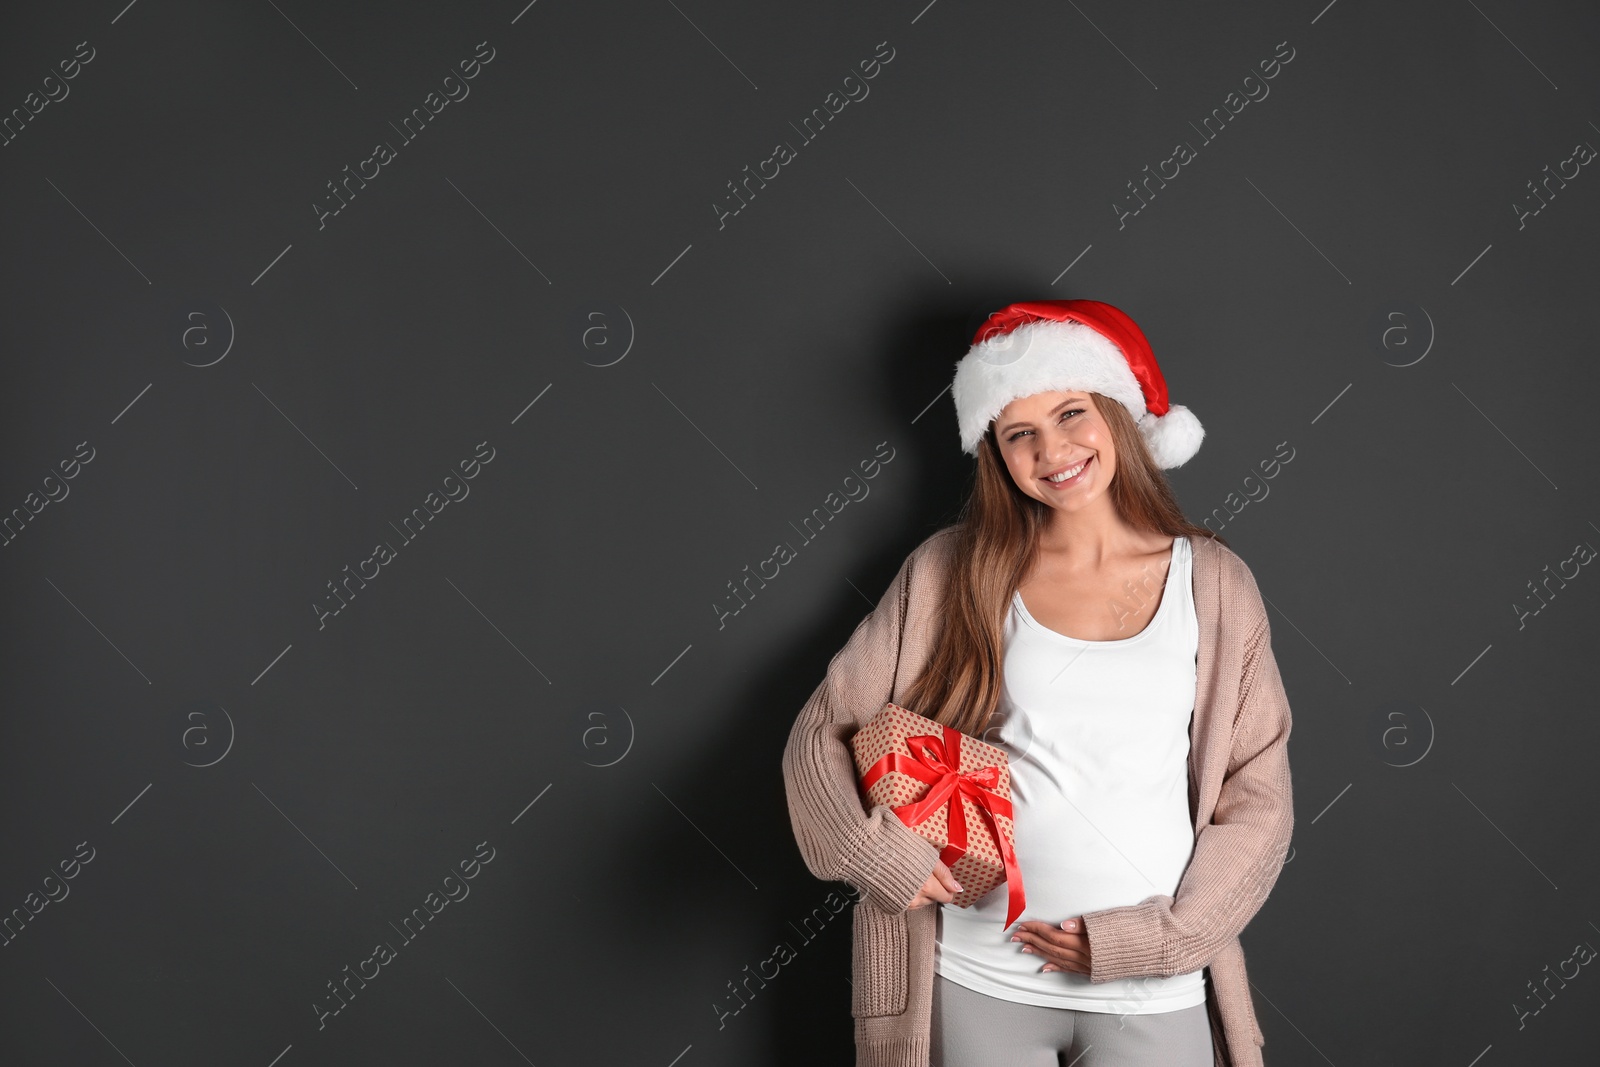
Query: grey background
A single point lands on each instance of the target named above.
(159, 615)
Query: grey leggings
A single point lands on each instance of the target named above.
(971, 1029)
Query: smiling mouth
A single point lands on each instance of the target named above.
(1082, 468)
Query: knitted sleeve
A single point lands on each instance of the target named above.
(839, 839)
(1237, 856)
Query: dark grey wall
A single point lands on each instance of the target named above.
(223, 785)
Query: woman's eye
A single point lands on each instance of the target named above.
(1064, 414)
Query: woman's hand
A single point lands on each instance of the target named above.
(1064, 947)
(940, 888)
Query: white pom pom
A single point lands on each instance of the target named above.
(1173, 438)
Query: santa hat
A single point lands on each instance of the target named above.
(1043, 346)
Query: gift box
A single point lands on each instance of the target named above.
(949, 788)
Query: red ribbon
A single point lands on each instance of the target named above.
(935, 761)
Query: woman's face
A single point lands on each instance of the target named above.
(1052, 434)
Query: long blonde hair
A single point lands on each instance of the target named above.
(997, 540)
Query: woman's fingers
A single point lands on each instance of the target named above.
(1067, 951)
(1055, 952)
(1054, 959)
(1051, 935)
(937, 889)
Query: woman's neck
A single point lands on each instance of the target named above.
(1090, 537)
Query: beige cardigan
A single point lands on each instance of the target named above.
(1238, 792)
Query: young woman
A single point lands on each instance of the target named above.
(1122, 658)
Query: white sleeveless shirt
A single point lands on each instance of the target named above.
(1097, 735)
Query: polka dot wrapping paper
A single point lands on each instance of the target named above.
(897, 739)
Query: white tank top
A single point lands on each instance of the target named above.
(1097, 734)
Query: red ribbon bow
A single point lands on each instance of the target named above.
(935, 761)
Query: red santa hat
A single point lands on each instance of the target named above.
(1040, 346)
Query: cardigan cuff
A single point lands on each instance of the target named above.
(1126, 943)
(891, 864)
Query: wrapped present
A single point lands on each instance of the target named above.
(952, 790)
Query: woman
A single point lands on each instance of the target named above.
(1122, 657)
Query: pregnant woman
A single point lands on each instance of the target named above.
(1121, 656)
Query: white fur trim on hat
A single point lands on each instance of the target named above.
(1173, 438)
(1047, 356)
